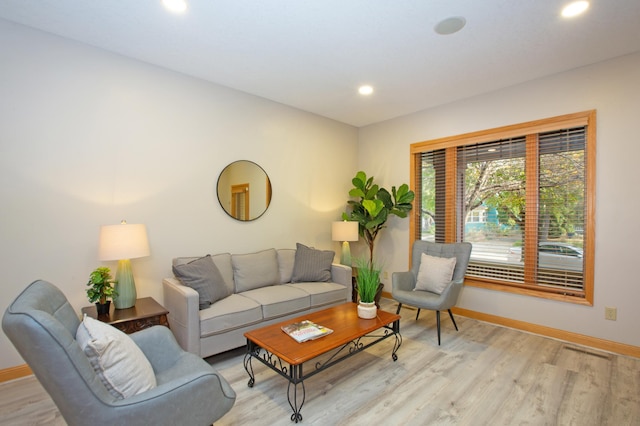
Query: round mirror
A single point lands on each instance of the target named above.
(244, 190)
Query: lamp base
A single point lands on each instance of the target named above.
(125, 286)
(345, 256)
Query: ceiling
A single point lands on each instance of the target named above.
(313, 55)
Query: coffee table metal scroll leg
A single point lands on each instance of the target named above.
(398, 341)
(247, 363)
(292, 392)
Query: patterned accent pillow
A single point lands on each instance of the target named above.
(312, 265)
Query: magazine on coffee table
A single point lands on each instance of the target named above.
(305, 330)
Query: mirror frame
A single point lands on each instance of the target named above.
(240, 177)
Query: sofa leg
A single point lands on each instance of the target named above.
(454, 321)
(398, 310)
(438, 325)
(417, 314)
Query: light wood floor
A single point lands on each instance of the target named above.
(482, 375)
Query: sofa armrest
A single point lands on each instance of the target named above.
(182, 302)
(341, 274)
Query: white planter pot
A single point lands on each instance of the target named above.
(367, 310)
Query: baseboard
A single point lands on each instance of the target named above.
(567, 336)
(15, 373)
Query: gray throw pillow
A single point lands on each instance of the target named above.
(203, 276)
(312, 265)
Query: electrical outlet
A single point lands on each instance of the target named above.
(385, 275)
(610, 313)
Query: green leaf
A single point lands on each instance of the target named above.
(356, 192)
(385, 197)
(372, 192)
(373, 207)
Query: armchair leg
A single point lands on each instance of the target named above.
(398, 310)
(418, 314)
(454, 321)
(438, 325)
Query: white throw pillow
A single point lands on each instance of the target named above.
(116, 359)
(435, 273)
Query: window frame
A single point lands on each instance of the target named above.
(527, 129)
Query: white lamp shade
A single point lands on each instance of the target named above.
(124, 241)
(344, 231)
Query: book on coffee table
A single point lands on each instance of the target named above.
(305, 330)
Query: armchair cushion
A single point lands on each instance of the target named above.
(116, 359)
(312, 265)
(204, 277)
(435, 273)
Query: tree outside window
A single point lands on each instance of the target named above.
(523, 195)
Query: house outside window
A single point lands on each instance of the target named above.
(478, 215)
(523, 195)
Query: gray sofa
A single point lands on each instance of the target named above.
(257, 289)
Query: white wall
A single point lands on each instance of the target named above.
(88, 138)
(613, 89)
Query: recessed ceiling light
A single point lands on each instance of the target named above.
(575, 9)
(365, 90)
(175, 6)
(450, 25)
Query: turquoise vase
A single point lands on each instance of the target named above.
(125, 286)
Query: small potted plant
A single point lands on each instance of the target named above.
(367, 283)
(100, 288)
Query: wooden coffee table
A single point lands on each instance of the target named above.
(278, 351)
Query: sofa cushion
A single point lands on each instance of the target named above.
(255, 270)
(279, 300)
(116, 359)
(312, 265)
(229, 313)
(203, 276)
(323, 293)
(286, 260)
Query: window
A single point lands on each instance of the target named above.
(523, 195)
(478, 215)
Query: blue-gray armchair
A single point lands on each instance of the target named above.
(42, 325)
(404, 283)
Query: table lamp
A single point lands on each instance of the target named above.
(345, 231)
(122, 243)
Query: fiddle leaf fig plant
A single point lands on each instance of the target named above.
(373, 205)
(100, 285)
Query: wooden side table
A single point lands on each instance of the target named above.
(144, 314)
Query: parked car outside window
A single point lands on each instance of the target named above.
(553, 256)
